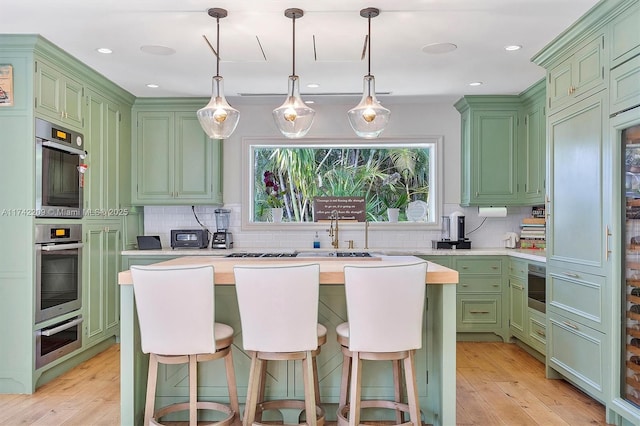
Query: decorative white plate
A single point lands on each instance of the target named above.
(417, 211)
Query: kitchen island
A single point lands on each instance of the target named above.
(435, 362)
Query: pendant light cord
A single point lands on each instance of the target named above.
(369, 47)
(293, 72)
(218, 46)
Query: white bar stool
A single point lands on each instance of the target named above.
(279, 316)
(385, 307)
(175, 307)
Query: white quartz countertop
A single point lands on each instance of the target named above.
(535, 255)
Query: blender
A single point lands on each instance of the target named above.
(222, 238)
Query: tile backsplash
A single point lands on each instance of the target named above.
(483, 232)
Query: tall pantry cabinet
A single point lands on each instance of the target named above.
(585, 225)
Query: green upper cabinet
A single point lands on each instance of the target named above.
(503, 159)
(578, 75)
(103, 134)
(489, 150)
(532, 145)
(174, 162)
(58, 95)
(625, 36)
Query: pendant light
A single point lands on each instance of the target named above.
(293, 118)
(218, 119)
(368, 119)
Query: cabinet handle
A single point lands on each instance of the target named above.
(465, 285)
(607, 234)
(479, 312)
(476, 193)
(494, 267)
(519, 287)
(496, 285)
(568, 324)
(540, 333)
(465, 267)
(571, 274)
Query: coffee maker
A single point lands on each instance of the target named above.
(222, 239)
(453, 233)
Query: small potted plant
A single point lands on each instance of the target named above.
(393, 198)
(275, 197)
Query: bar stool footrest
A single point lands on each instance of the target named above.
(374, 403)
(201, 405)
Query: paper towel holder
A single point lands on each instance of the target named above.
(492, 211)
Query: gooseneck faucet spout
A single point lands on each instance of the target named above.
(333, 231)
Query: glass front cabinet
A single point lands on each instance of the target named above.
(626, 129)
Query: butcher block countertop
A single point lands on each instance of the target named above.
(331, 269)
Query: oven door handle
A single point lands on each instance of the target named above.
(65, 148)
(63, 327)
(57, 247)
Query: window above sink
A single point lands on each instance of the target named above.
(383, 171)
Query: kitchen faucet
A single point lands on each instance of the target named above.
(333, 232)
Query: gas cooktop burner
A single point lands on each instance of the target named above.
(261, 255)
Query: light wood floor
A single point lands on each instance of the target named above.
(497, 384)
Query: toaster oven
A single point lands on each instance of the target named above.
(189, 238)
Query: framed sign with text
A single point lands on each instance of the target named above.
(6, 85)
(348, 208)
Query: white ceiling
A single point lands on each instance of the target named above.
(479, 28)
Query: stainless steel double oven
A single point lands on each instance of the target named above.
(58, 290)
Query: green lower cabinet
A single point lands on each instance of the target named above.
(101, 261)
(518, 308)
(482, 290)
(579, 353)
(446, 261)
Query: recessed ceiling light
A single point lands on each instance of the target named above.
(512, 47)
(152, 86)
(436, 48)
(313, 85)
(104, 50)
(475, 83)
(157, 50)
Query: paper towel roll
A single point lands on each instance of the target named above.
(492, 211)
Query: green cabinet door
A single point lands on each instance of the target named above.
(174, 161)
(103, 136)
(493, 152)
(579, 75)
(517, 307)
(101, 264)
(489, 151)
(154, 157)
(532, 148)
(625, 37)
(58, 95)
(576, 225)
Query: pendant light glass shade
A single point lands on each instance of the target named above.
(368, 119)
(218, 119)
(294, 118)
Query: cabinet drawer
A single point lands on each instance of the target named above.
(537, 332)
(479, 284)
(518, 268)
(479, 266)
(624, 89)
(577, 352)
(479, 311)
(578, 295)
